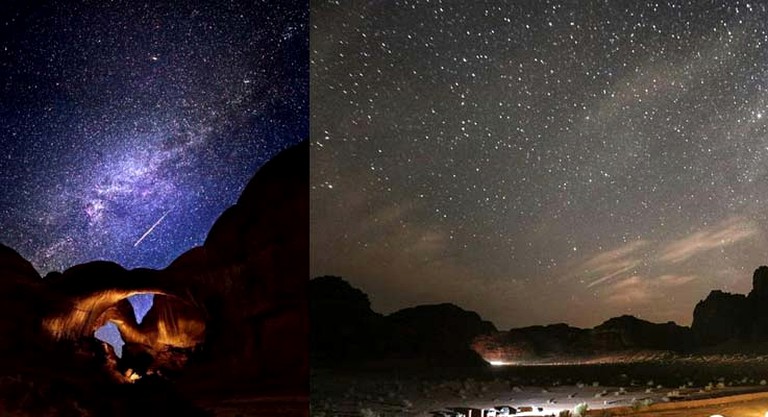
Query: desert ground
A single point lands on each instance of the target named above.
(727, 385)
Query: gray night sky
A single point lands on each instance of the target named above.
(539, 162)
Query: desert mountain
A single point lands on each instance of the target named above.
(345, 328)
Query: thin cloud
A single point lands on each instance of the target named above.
(725, 234)
(637, 290)
(671, 280)
(632, 290)
(610, 264)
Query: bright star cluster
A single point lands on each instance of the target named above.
(540, 162)
(128, 128)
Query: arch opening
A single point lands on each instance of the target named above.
(141, 304)
(110, 334)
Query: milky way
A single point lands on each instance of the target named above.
(120, 117)
(540, 162)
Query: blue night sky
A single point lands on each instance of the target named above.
(128, 129)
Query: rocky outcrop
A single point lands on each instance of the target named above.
(437, 334)
(549, 340)
(251, 276)
(619, 334)
(345, 331)
(760, 283)
(22, 298)
(720, 317)
(344, 328)
(630, 333)
(530, 343)
(440, 333)
(723, 317)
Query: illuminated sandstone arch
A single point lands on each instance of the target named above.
(174, 323)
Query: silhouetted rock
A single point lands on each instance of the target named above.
(438, 334)
(346, 332)
(534, 342)
(251, 275)
(720, 317)
(22, 297)
(760, 283)
(15, 266)
(344, 328)
(629, 332)
(619, 334)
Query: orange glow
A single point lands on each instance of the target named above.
(171, 321)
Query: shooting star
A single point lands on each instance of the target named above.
(150, 229)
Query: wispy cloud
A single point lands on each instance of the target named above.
(613, 263)
(630, 290)
(724, 234)
(638, 289)
(671, 280)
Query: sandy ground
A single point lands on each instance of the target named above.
(665, 389)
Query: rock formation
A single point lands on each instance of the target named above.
(345, 331)
(619, 334)
(720, 317)
(251, 275)
(21, 302)
(229, 314)
(437, 334)
(723, 317)
(344, 328)
(628, 332)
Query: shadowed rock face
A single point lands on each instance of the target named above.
(344, 328)
(21, 302)
(532, 342)
(720, 317)
(232, 310)
(346, 332)
(760, 283)
(441, 333)
(251, 275)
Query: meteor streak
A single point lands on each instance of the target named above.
(150, 229)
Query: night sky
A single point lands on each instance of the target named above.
(540, 162)
(128, 128)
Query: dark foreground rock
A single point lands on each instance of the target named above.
(734, 318)
(347, 333)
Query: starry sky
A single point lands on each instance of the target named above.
(128, 128)
(540, 162)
